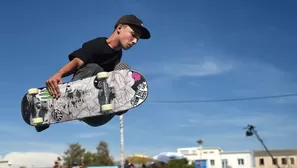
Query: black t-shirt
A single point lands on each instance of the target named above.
(99, 52)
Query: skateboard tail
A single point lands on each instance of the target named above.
(26, 109)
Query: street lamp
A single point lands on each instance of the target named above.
(250, 129)
(200, 142)
(250, 132)
(122, 66)
(122, 140)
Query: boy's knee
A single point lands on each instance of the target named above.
(95, 68)
(87, 71)
(98, 120)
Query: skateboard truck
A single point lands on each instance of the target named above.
(105, 92)
(37, 106)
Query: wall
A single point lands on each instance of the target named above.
(215, 156)
(194, 153)
(285, 158)
(4, 164)
(237, 159)
(269, 164)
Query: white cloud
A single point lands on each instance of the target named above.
(108, 126)
(233, 116)
(286, 100)
(36, 146)
(188, 68)
(201, 69)
(31, 159)
(226, 128)
(91, 135)
(260, 78)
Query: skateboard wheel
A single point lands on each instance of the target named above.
(33, 91)
(102, 75)
(37, 120)
(106, 107)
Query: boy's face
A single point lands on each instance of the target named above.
(128, 36)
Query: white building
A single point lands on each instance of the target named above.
(217, 158)
(4, 163)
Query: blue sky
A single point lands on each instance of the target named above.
(199, 50)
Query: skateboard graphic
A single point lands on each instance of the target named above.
(105, 93)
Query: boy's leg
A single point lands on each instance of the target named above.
(121, 66)
(88, 71)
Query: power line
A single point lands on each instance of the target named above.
(224, 100)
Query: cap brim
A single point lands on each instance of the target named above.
(145, 34)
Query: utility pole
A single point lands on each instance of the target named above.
(250, 132)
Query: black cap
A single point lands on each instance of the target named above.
(135, 21)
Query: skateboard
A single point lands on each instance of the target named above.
(105, 93)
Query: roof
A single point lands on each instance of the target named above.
(236, 152)
(198, 147)
(275, 152)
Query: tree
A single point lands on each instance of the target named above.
(179, 163)
(102, 156)
(88, 159)
(75, 153)
(139, 159)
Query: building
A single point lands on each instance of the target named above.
(4, 163)
(285, 158)
(236, 159)
(216, 158)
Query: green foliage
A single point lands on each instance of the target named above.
(179, 163)
(89, 158)
(75, 153)
(102, 157)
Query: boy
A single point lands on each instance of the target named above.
(100, 54)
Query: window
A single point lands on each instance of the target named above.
(292, 161)
(284, 161)
(212, 162)
(185, 152)
(261, 161)
(274, 161)
(224, 163)
(240, 161)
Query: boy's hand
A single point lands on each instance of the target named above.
(52, 85)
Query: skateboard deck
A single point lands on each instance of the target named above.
(105, 93)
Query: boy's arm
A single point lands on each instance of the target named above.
(77, 58)
(70, 67)
(66, 70)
